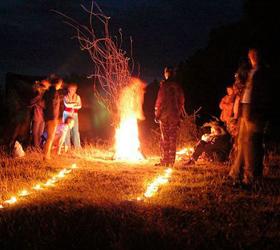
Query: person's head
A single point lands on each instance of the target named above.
(254, 57)
(57, 83)
(229, 90)
(72, 88)
(168, 72)
(45, 83)
(70, 122)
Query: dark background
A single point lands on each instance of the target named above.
(206, 40)
(35, 41)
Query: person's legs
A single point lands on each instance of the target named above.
(173, 129)
(68, 135)
(199, 149)
(253, 154)
(51, 127)
(76, 133)
(37, 131)
(164, 128)
(41, 129)
(239, 158)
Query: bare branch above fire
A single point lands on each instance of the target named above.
(112, 68)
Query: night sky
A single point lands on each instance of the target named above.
(35, 41)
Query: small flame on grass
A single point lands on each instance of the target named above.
(12, 200)
(74, 165)
(185, 151)
(24, 192)
(37, 187)
(154, 186)
(50, 182)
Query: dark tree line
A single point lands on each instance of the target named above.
(206, 74)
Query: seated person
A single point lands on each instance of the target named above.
(60, 134)
(216, 144)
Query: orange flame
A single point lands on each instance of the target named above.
(188, 151)
(24, 192)
(159, 181)
(127, 145)
(12, 200)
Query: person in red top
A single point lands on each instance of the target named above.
(226, 106)
(169, 109)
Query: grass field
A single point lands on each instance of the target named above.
(95, 206)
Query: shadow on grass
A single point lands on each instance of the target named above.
(76, 224)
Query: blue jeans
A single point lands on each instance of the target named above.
(73, 134)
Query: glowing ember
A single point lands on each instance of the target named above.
(160, 180)
(1, 206)
(12, 200)
(130, 109)
(23, 193)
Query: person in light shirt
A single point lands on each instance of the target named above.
(255, 105)
(216, 144)
(72, 104)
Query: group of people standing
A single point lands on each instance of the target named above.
(245, 112)
(246, 109)
(49, 131)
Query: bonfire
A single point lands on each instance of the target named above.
(115, 88)
(127, 145)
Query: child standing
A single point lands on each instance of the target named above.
(72, 104)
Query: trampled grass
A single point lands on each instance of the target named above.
(96, 207)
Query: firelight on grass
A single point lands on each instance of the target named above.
(154, 186)
(49, 183)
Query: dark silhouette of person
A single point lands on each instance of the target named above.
(169, 109)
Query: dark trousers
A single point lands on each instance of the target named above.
(168, 142)
(204, 147)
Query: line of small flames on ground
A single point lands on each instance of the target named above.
(163, 179)
(38, 187)
(153, 187)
